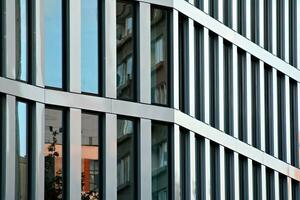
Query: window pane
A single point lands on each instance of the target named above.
(126, 159)
(53, 43)
(159, 56)
(22, 40)
(22, 151)
(54, 131)
(159, 161)
(90, 156)
(89, 46)
(125, 50)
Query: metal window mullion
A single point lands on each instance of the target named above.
(263, 183)
(191, 66)
(234, 15)
(286, 31)
(74, 140)
(39, 132)
(176, 166)
(10, 38)
(287, 119)
(39, 43)
(262, 105)
(250, 179)
(207, 170)
(249, 97)
(10, 147)
(289, 188)
(275, 112)
(248, 19)
(110, 157)
(206, 76)
(236, 177)
(235, 91)
(110, 51)
(220, 10)
(276, 185)
(222, 173)
(175, 59)
(192, 166)
(206, 6)
(221, 82)
(274, 27)
(261, 22)
(74, 47)
(145, 149)
(144, 50)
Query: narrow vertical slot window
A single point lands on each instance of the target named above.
(184, 158)
(213, 8)
(228, 89)
(269, 138)
(160, 161)
(255, 95)
(229, 174)
(2, 149)
(281, 116)
(214, 79)
(293, 32)
(255, 17)
(126, 159)
(243, 175)
(160, 50)
(53, 23)
(268, 25)
(270, 183)
(199, 72)
(55, 150)
(90, 46)
(199, 4)
(23, 151)
(280, 29)
(257, 193)
(200, 168)
(283, 190)
(227, 12)
(90, 162)
(242, 100)
(294, 123)
(126, 52)
(241, 17)
(215, 170)
(295, 189)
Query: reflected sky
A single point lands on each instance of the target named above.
(22, 128)
(53, 43)
(89, 46)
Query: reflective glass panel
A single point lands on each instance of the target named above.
(22, 40)
(126, 159)
(53, 152)
(159, 56)
(53, 43)
(125, 50)
(89, 46)
(90, 156)
(22, 151)
(160, 161)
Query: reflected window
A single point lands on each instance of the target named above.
(160, 169)
(53, 43)
(22, 151)
(89, 46)
(90, 178)
(54, 153)
(126, 170)
(159, 56)
(126, 50)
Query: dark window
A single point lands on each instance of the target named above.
(281, 116)
(294, 123)
(243, 175)
(283, 190)
(293, 32)
(126, 51)
(268, 19)
(2, 148)
(90, 46)
(242, 97)
(213, 8)
(269, 137)
(200, 168)
(227, 12)
(126, 159)
(54, 43)
(23, 151)
(160, 51)
(184, 159)
(270, 182)
(2, 39)
(90, 153)
(295, 189)
(199, 4)
(280, 29)
(257, 193)
(228, 89)
(55, 154)
(215, 170)
(255, 21)
(229, 174)
(255, 95)
(214, 79)
(160, 162)
(199, 72)
(241, 17)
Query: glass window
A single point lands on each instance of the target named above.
(270, 183)
(160, 180)
(126, 159)
(22, 39)
(243, 177)
(54, 154)
(215, 170)
(241, 17)
(281, 104)
(159, 56)
(89, 46)
(257, 193)
(227, 13)
(125, 50)
(200, 167)
(53, 43)
(90, 156)
(229, 174)
(283, 187)
(22, 151)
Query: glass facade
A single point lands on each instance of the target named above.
(90, 164)
(54, 153)
(126, 52)
(160, 161)
(53, 20)
(126, 159)
(160, 56)
(90, 46)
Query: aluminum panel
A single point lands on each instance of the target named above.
(263, 183)
(191, 71)
(207, 170)
(221, 83)
(192, 165)
(206, 76)
(176, 160)
(39, 43)
(222, 173)
(249, 97)
(287, 119)
(175, 60)
(236, 177)
(262, 105)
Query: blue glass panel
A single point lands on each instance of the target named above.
(53, 43)
(89, 46)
